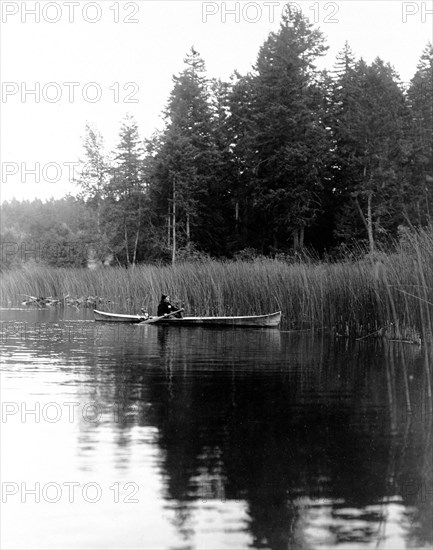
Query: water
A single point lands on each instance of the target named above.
(163, 437)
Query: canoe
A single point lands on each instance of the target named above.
(117, 317)
(270, 320)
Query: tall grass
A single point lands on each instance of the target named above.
(388, 292)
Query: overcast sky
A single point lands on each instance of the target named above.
(119, 57)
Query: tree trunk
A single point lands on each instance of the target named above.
(301, 237)
(188, 232)
(169, 227)
(295, 239)
(370, 222)
(98, 217)
(126, 245)
(275, 239)
(173, 250)
(427, 206)
(361, 213)
(134, 260)
(100, 186)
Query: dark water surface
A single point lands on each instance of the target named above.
(167, 437)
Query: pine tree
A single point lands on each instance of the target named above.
(345, 94)
(368, 123)
(185, 157)
(282, 134)
(126, 205)
(420, 134)
(240, 127)
(221, 206)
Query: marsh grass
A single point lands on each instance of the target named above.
(385, 294)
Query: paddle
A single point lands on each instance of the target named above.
(155, 319)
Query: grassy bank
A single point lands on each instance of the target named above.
(392, 292)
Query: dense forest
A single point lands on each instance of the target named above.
(282, 159)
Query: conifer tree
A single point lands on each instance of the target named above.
(283, 138)
(185, 157)
(420, 138)
(240, 127)
(126, 205)
(368, 126)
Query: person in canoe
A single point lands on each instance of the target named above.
(165, 307)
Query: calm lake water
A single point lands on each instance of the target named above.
(165, 437)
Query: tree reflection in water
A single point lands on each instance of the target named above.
(312, 441)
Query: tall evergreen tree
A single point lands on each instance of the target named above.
(222, 208)
(185, 158)
(284, 138)
(345, 93)
(126, 205)
(420, 138)
(369, 123)
(240, 127)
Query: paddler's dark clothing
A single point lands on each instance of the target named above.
(166, 307)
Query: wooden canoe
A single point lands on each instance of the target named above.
(117, 317)
(270, 320)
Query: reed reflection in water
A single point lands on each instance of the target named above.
(234, 439)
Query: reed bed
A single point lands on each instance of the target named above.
(385, 293)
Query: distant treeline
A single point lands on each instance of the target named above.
(283, 158)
